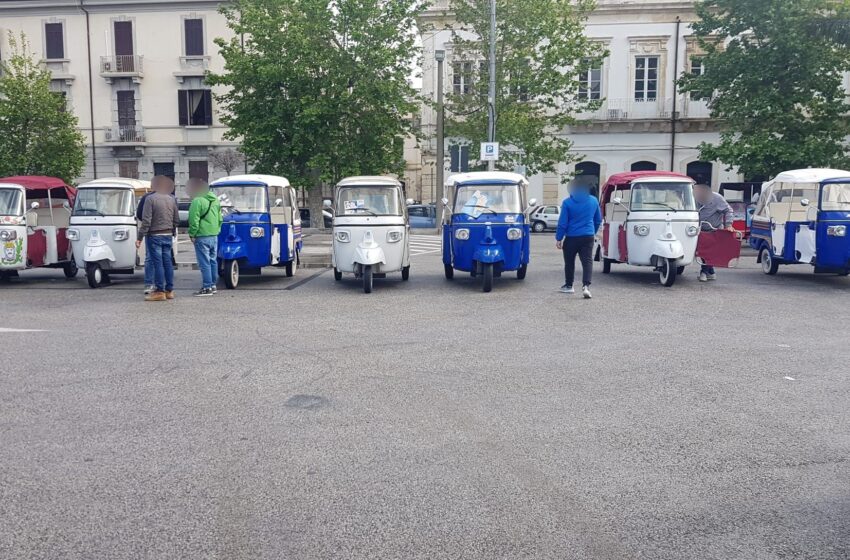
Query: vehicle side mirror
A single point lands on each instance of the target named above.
(532, 202)
(619, 202)
(34, 205)
(445, 202)
(805, 202)
(278, 203)
(408, 202)
(326, 204)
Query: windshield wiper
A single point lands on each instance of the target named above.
(365, 210)
(483, 208)
(92, 211)
(662, 204)
(233, 209)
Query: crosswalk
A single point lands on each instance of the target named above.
(424, 244)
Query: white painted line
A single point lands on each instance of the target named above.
(790, 378)
(6, 330)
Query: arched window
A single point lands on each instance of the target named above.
(700, 171)
(644, 166)
(587, 173)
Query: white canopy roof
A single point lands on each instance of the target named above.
(483, 176)
(810, 175)
(135, 184)
(366, 180)
(272, 180)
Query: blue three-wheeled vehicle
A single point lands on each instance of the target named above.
(488, 231)
(262, 225)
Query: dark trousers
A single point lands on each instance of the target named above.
(583, 247)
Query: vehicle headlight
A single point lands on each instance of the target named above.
(72, 234)
(257, 232)
(462, 234)
(120, 234)
(343, 236)
(692, 231)
(836, 231)
(393, 236)
(8, 235)
(642, 230)
(514, 233)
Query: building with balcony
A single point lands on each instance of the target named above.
(133, 73)
(642, 122)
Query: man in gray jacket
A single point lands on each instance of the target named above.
(714, 213)
(160, 219)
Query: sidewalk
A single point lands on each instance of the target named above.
(316, 252)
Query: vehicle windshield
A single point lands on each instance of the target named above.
(836, 196)
(663, 196)
(103, 202)
(242, 198)
(368, 201)
(475, 200)
(10, 202)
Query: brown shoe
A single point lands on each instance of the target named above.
(155, 296)
(169, 295)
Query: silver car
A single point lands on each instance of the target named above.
(544, 217)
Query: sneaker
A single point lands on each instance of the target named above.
(585, 291)
(169, 294)
(703, 277)
(214, 290)
(155, 296)
(711, 277)
(203, 292)
(567, 289)
(150, 289)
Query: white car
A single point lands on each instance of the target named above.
(544, 217)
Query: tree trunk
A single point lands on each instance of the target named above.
(314, 199)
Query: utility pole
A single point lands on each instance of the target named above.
(491, 98)
(440, 56)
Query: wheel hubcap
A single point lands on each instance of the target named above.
(234, 272)
(98, 276)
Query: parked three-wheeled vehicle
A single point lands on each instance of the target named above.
(802, 217)
(34, 216)
(261, 227)
(103, 228)
(488, 231)
(371, 233)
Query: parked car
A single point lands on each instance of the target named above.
(183, 211)
(327, 215)
(422, 215)
(544, 217)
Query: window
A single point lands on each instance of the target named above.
(195, 107)
(194, 35)
(644, 166)
(366, 200)
(462, 78)
(103, 202)
(551, 210)
(475, 200)
(199, 170)
(126, 109)
(417, 212)
(698, 69)
(646, 78)
(128, 169)
(165, 168)
(54, 41)
(660, 196)
(590, 82)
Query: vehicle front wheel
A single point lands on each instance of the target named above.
(680, 270)
(768, 262)
(231, 274)
(70, 269)
(606, 266)
(94, 275)
(405, 273)
(367, 279)
(521, 272)
(667, 272)
(488, 277)
(450, 272)
(337, 275)
(538, 227)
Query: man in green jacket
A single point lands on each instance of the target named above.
(204, 227)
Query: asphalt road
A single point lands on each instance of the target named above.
(300, 418)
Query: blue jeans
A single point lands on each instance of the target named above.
(707, 269)
(163, 267)
(206, 251)
(148, 263)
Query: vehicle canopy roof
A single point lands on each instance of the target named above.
(135, 184)
(486, 178)
(625, 180)
(816, 175)
(32, 184)
(251, 179)
(369, 181)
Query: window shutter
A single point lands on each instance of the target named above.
(55, 46)
(208, 107)
(183, 107)
(194, 30)
(454, 152)
(464, 159)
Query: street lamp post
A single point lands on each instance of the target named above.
(491, 101)
(440, 56)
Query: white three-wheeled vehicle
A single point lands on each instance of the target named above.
(371, 230)
(103, 228)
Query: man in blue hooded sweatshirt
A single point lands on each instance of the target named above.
(580, 218)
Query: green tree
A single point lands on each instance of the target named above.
(541, 54)
(777, 87)
(318, 90)
(38, 136)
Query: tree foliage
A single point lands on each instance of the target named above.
(318, 89)
(38, 136)
(541, 52)
(778, 88)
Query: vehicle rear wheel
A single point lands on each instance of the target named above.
(337, 275)
(667, 272)
(94, 275)
(291, 266)
(367, 279)
(768, 262)
(450, 272)
(538, 227)
(405, 273)
(231, 274)
(70, 269)
(680, 270)
(606, 266)
(488, 277)
(521, 272)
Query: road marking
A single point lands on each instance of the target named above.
(790, 378)
(5, 330)
(425, 244)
